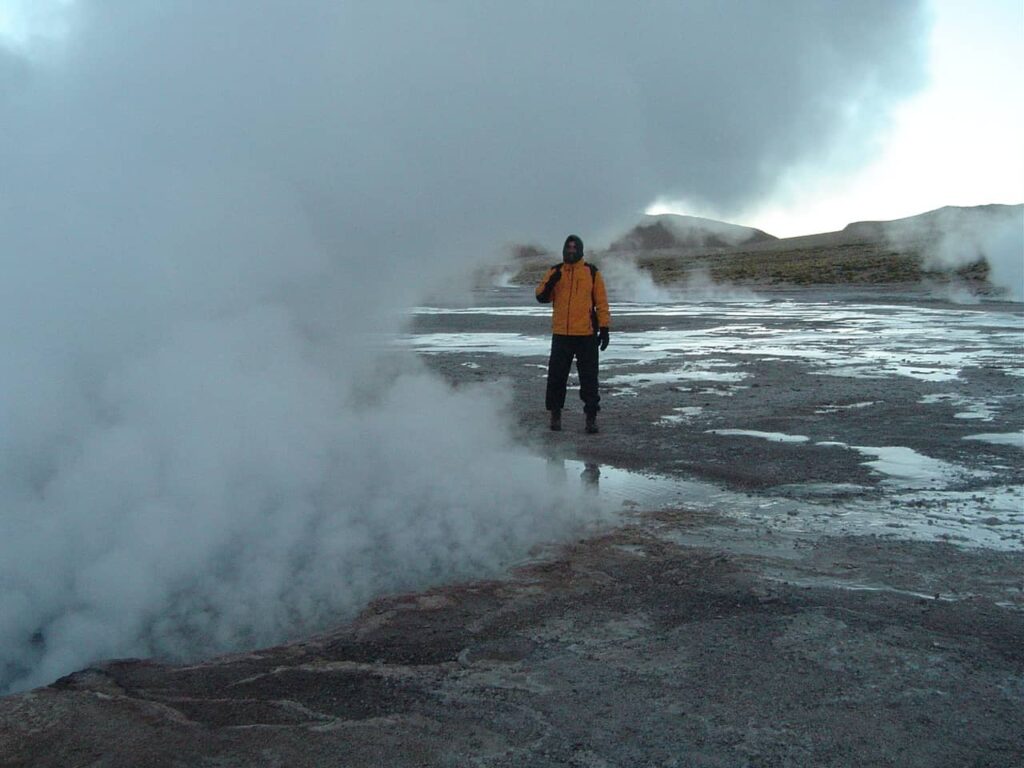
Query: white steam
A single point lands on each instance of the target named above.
(951, 238)
(1003, 249)
(211, 517)
(627, 282)
(211, 216)
(699, 285)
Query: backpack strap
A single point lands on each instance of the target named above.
(593, 299)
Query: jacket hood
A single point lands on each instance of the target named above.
(579, 249)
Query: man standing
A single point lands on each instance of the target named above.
(579, 320)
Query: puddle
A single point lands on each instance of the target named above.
(516, 344)
(823, 490)
(1000, 438)
(682, 414)
(873, 341)
(992, 517)
(980, 410)
(691, 373)
(838, 408)
(832, 582)
(907, 467)
(716, 349)
(939, 398)
(775, 437)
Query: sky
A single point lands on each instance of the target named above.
(952, 138)
(215, 216)
(956, 141)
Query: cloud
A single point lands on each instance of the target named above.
(213, 215)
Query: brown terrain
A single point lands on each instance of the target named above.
(677, 637)
(863, 253)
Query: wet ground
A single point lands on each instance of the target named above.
(816, 560)
(875, 412)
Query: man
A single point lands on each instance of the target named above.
(579, 322)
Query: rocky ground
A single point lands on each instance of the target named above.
(686, 635)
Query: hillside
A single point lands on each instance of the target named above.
(672, 231)
(940, 245)
(935, 223)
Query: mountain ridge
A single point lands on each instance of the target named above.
(674, 231)
(947, 244)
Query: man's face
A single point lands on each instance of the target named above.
(569, 252)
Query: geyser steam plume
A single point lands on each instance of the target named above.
(213, 213)
(951, 238)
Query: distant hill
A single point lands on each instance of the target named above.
(950, 243)
(941, 221)
(672, 231)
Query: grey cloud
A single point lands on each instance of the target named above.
(434, 123)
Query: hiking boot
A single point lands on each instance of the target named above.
(556, 421)
(592, 424)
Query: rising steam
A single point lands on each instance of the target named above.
(212, 217)
(951, 238)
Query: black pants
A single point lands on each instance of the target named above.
(563, 349)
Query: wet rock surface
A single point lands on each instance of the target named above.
(630, 648)
(683, 636)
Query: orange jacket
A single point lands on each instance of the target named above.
(578, 293)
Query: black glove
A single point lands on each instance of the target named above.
(545, 295)
(603, 336)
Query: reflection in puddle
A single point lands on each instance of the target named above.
(558, 473)
(590, 475)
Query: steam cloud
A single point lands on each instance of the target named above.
(999, 241)
(951, 238)
(213, 213)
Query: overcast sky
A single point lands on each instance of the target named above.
(794, 117)
(955, 142)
